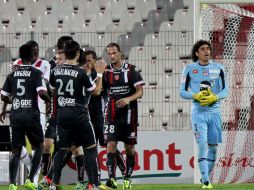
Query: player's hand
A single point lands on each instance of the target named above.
(208, 100)
(100, 66)
(199, 95)
(48, 108)
(88, 68)
(15, 67)
(2, 116)
(122, 102)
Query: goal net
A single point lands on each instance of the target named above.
(230, 29)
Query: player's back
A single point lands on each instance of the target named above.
(70, 83)
(23, 86)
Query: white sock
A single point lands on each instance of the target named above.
(24, 157)
(37, 175)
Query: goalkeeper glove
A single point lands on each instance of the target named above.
(209, 99)
(199, 95)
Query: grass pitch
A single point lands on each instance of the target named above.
(167, 187)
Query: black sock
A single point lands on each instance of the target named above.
(46, 162)
(91, 165)
(80, 167)
(67, 157)
(36, 161)
(111, 165)
(14, 164)
(130, 163)
(58, 164)
(120, 162)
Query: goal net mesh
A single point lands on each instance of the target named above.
(230, 29)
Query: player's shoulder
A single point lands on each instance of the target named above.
(191, 66)
(45, 62)
(17, 62)
(216, 64)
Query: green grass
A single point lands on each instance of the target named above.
(169, 187)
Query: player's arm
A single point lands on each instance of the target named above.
(223, 93)
(125, 101)
(6, 91)
(185, 84)
(100, 68)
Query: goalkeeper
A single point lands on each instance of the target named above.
(203, 81)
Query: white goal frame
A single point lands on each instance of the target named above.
(196, 9)
(197, 35)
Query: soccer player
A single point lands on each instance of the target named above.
(203, 81)
(50, 134)
(20, 89)
(124, 86)
(73, 121)
(44, 67)
(96, 108)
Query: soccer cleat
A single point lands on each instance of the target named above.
(54, 187)
(30, 185)
(112, 183)
(13, 187)
(102, 187)
(126, 184)
(207, 186)
(89, 186)
(80, 186)
(45, 182)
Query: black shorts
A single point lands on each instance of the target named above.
(81, 134)
(50, 132)
(98, 125)
(33, 133)
(126, 133)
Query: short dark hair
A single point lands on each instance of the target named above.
(90, 52)
(114, 45)
(62, 40)
(26, 53)
(197, 46)
(81, 59)
(33, 43)
(71, 48)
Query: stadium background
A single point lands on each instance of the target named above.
(157, 37)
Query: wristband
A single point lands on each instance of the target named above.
(99, 75)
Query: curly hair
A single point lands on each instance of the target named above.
(197, 46)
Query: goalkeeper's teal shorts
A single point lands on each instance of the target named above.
(206, 127)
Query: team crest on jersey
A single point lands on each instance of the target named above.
(195, 71)
(116, 77)
(205, 72)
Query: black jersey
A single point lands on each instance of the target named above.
(22, 85)
(121, 83)
(70, 82)
(96, 103)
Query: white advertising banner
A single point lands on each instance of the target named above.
(161, 157)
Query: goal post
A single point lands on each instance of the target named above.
(229, 26)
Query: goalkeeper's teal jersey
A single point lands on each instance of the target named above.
(196, 77)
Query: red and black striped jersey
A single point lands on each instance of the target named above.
(120, 83)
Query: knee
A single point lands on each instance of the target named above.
(130, 149)
(111, 147)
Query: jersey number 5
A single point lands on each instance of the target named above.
(21, 87)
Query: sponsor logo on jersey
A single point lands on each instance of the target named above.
(66, 101)
(21, 103)
(195, 71)
(119, 89)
